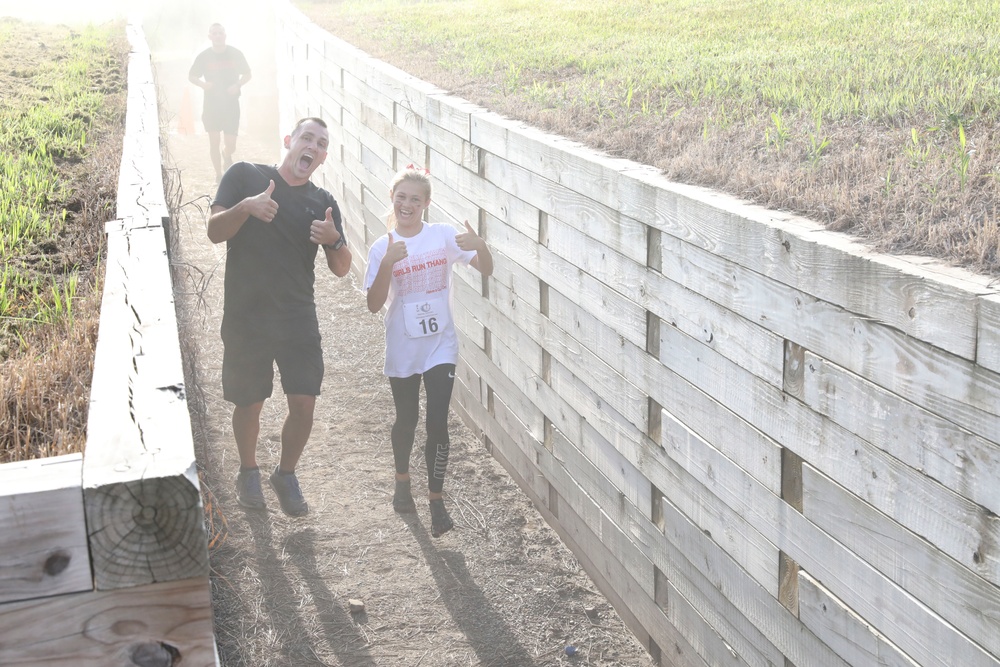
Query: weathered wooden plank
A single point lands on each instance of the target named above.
(598, 416)
(140, 182)
(907, 623)
(141, 493)
(159, 624)
(367, 96)
(558, 159)
(685, 578)
(689, 589)
(802, 255)
(597, 298)
(906, 296)
(734, 436)
(625, 593)
(960, 597)
(948, 385)
(448, 203)
(843, 630)
(748, 344)
(961, 461)
(44, 547)
(988, 338)
(452, 114)
(380, 77)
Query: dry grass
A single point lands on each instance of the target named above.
(46, 369)
(912, 179)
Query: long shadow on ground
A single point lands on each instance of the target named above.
(495, 644)
(282, 601)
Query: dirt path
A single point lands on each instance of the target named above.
(500, 590)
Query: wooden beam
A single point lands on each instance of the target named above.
(44, 546)
(159, 625)
(141, 492)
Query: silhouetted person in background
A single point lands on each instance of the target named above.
(221, 71)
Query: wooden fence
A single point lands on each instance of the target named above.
(104, 559)
(766, 444)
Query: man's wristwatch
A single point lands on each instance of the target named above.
(336, 246)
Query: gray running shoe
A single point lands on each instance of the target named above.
(248, 491)
(440, 521)
(286, 486)
(402, 499)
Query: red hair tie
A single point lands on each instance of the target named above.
(413, 167)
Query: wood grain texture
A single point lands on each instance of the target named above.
(159, 625)
(988, 340)
(140, 487)
(954, 592)
(44, 547)
(845, 631)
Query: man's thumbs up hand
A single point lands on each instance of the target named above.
(262, 206)
(324, 231)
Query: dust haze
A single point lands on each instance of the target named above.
(176, 31)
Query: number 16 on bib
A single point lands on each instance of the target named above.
(426, 318)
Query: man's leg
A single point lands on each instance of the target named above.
(296, 430)
(294, 434)
(229, 148)
(214, 140)
(246, 429)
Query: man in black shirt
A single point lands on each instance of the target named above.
(221, 71)
(274, 221)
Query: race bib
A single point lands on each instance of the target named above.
(426, 318)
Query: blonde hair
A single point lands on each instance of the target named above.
(410, 173)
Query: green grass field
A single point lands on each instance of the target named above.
(44, 125)
(61, 122)
(876, 118)
(881, 61)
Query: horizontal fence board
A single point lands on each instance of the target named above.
(158, 624)
(756, 238)
(44, 547)
(953, 523)
(844, 630)
(753, 347)
(556, 158)
(940, 382)
(902, 619)
(804, 256)
(579, 523)
(935, 446)
(960, 597)
(988, 340)
(742, 443)
(687, 580)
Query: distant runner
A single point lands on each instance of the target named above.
(221, 71)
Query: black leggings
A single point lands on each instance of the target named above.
(438, 383)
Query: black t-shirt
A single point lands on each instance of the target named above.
(270, 266)
(221, 69)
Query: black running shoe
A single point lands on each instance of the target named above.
(441, 523)
(402, 499)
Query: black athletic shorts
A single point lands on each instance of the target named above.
(222, 115)
(249, 355)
